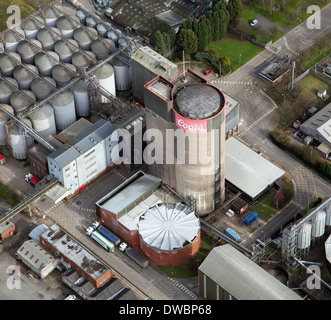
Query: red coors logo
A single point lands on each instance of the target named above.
(194, 126)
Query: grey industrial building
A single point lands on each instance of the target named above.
(227, 274)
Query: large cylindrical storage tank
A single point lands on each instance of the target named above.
(46, 62)
(6, 89)
(12, 39)
(19, 141)
(3, 121)
(81, 15)
(48, 37)
(114, 35)
(8, 63)
(328, 215)
(102, 48)
(106, 76)
(25, 75)
(91, 22)
(102, 30)
(169, 234)
(65, 49)
(52, 15)
(123, 75)
(304, 236)
(43, 120)
(122, 42)
(21, 101)
(64, 110)
(318, 224)
(67, 25)
(28, 50)
(31, 27)
(43, 88)
(85, 36)
(81, 95)
(82, 61)
(62, 74)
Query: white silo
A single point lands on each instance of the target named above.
(7, 89)
(62, 74)
(52, 14)
(65, 49)
(123, 75)
(84, 37)
(67, 25)
(102, 30)
(64, 110)
(45, 62)
(8, 63)
(43, 120)
(28, 50)
(25, 75)
(81, 95)
(21, 101)
(82, 61)
(304, 238)
(102, 48)
(48, 37)
(328, 215)
(114, 35)
(42, 89)
(31, 27)
(12, 39)
(90, 22)
(3, 121)
(318, 224)
(105, 75)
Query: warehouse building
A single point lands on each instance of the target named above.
(75, 256)
(249, 172)
(227, 274)
(84, 157)
(34, 256)
(319, 125)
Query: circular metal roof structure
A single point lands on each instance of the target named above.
(199, 101)
(169, 226)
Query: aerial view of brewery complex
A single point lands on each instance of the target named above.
(167, 150)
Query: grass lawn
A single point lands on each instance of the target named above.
(313, 57)
(190, 269)
(288, 19)
(233, 48)
(9, 195)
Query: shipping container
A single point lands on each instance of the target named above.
(109, 235)
(137, 257)
(232, 234)
(251, 217)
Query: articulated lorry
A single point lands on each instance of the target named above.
(99, 238)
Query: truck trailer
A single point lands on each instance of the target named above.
(137, 257)
(251, 217)
(99, 238)
(232, 234)
(109, 235)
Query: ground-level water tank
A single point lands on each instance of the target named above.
(3, 121)
(81, 95)
(43, 120)
(64, 110)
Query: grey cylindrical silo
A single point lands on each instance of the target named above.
(67, 25)
(85, 36)
(48, 37)
(52, 15)
(102, 30)
(28, 51)
(102, 49)
(8, 63)
(6, 90)
(20, 102)
(91, 22)
(31, 27)
(45, 63)
(81, 61)
(62, 74)
(12, 39)
(81, 95)
(122, 42)
(64, 110)
(114, 35)
(43, 120)
(41, 88)
(65, 49)
(3, 121)
(123, 75)
(25, 75)
(81, 15)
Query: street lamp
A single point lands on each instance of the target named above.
(220, 69)
(239, 60)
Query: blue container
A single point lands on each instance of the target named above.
(232, 234)
(251, 217)
(109, 235)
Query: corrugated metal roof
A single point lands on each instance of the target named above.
(64, 155)
(247, 170)
(242, 278)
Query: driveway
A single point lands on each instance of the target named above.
(266, 25)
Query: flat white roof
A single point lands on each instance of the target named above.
(247, 170)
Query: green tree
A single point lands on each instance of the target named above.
(188, 40)
(173, 37)
(235, 8)
(203, 34)
(160, 44)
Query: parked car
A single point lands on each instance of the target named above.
(208, 71)
(254, 23)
